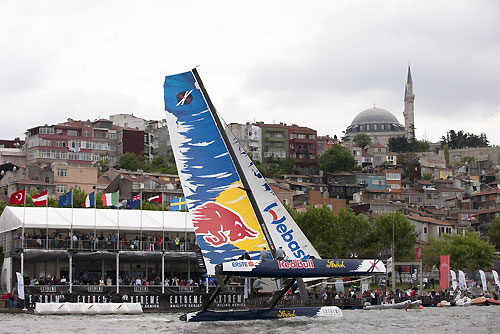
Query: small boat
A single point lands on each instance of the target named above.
(491, 301)
(407, 304)
(466, 301)
(479, 301)
(444, 303)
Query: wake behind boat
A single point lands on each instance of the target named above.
(233, 209)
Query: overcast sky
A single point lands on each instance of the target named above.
(313, 63)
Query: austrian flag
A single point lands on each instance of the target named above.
(40, 199)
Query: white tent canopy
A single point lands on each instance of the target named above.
(83, 219)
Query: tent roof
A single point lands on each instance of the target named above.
(83, 219)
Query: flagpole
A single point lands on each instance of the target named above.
(95, 218)
(185, 225)
(71, 243)
(118, 223)
(162, 223)
(24, 218)
(140, 241)
(47, 219)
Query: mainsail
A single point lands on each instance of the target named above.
(232, 207)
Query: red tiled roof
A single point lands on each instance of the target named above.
(431, 220)
(487, 192)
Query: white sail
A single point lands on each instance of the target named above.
(282, 229)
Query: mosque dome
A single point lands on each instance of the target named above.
(374, 115)
(375, 120)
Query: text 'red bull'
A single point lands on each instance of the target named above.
(295, 264)
(221, 225)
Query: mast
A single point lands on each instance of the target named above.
(232, 154)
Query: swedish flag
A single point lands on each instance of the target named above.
(178, 204)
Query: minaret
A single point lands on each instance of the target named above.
(408, 113)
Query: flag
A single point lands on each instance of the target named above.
(134, 202)
(110, 199)
(178, 204)
(454, 283)
(40, 199)
(20, 285)
(66, 199)
(418, 253)
(388, 266)
(18, 197)
(495, 277)
(461, 280)
(483, 280)
(90, 200)
(157, 199)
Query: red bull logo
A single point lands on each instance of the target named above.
(296, 264)
(221, 225)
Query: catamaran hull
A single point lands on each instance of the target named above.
(264, 314)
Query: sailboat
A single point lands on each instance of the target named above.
(234, 211)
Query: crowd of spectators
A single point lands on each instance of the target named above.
(89, 241)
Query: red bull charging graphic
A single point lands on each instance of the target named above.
(224, 220)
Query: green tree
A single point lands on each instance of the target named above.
(353, 233)
(362, 140)
(337, 159)
(409, 161)
(405, 236)
(494, 232)
(318, 224)
(467, 252)
(467, 159)
(446, 150)
(130, 161)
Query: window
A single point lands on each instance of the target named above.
(61, 188)
(425, 229)
(47, 130)
(59, 131)
(72, 133)
(60, 143)
(428, 196)
(86, 133)
(62, 172)
(393, 176)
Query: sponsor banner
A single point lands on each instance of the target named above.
(240, 265)
(305, 268)
(150, 297)
(444, 279)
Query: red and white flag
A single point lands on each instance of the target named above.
(18, 197)
(156, 199)
(40, 199)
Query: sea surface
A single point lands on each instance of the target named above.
(472, 319)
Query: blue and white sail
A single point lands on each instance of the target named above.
(225, 222)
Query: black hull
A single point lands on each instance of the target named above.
(263, 314)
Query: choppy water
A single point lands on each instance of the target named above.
(473, 319)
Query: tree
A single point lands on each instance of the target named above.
(130, 161)
(102, 164)
(494, 232)
(337, 159)
(461, 139)
(353, 233)
(446, 155)
(409, 162)
(318, 224)
(401, 144)
(467, 252)
(405, 236)
(362, 140)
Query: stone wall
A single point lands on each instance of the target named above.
(491, 154)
